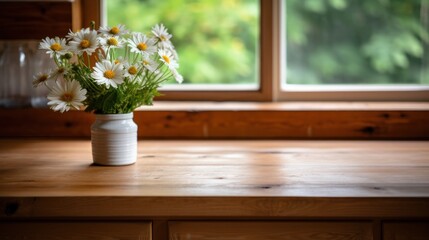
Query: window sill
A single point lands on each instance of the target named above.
(238, 120)
(285, 106)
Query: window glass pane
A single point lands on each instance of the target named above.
(357, 42)
(217, 40)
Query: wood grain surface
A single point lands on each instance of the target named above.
(270, 230)
(67, 230)
(307, 121)
(406, 230)
(38, 19)
(46, 178)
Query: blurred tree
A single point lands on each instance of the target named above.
(217, 40)
(328, 41)
(357, 42)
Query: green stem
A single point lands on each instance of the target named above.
(89, 60)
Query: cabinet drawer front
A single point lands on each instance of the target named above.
(75, 230)
(270, 230)
(406, 231)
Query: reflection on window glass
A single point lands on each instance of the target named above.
(357, 42)
(217, 40)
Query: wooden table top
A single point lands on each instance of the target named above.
(234, 170)
(219, 168)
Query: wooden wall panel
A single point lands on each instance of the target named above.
(406, 231)
(38, 19)
(270, 230)
(229, 124)
(75, 230)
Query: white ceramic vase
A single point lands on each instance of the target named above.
(114, 139)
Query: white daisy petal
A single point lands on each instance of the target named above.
(110, 42)
(167, 58)
(109, 74)
(149, 64)
(162, 36)
(131, 70)
(139, 43)
(54, 46)
(113, 31)
(177, 76)
(40, 78)
(66, 94)
(70, 35)
(58, 73)
(84, 41)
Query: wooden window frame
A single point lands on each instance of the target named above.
(272, 74)
(91, 10)
(331, 92)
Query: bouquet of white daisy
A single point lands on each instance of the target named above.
(109, 71)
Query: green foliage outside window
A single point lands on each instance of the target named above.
(216, 40)
(327, 41)
(357, 42)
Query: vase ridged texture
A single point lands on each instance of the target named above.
(114, 139)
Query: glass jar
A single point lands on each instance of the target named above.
(15, 77)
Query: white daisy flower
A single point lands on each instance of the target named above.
(177, 76)
(167, 58)
(84, 41)
(174, 52)
(108, 74)
(114, 31)
(149, 64)
(110, 42)
(54, 46)
(58, 73)
(141, 44)
(162, 36)
(40, 78)
(120, 60)
(66, 95)
(70, 35)
(131, 71)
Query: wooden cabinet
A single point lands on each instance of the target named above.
(216, 190)
(76, 230)
(406, 231)
(270, 230)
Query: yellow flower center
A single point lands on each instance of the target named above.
(132, 70)
(42, 78)
(56, 47)
(85, 43)
(114, 30)
(163, 38)
(112, 41)
(117, 61)
(142, 46)
(67, 97)
(166, 58)
(109, 74)
(145, 62)
(61, 70)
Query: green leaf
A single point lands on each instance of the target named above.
(338, 4)
(400, 59)
(317, 6)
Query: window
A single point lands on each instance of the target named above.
(306, 54)
(218, 42)
(348, 50)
